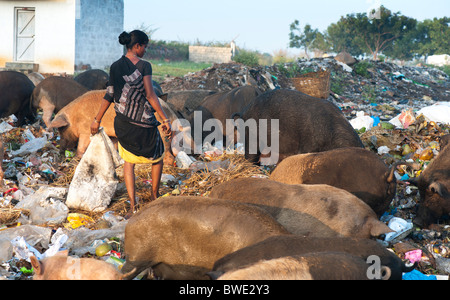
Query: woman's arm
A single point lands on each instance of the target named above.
(154, 102)
(98, 118)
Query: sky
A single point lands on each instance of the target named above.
(257, 25)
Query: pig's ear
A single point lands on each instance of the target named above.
(437, 188)
(59, 121)
(36, 265)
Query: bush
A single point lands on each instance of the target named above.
(445, 69)
(247, 58)
(362, 67)
(172, 51)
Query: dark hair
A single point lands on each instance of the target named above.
(133, 38)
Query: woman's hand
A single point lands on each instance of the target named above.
(167, 129)
(95, 125)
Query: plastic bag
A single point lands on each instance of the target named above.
(401, 227)
(31, 147)
(76, 220)
(182, 160)
(439, 113)
(362, 121)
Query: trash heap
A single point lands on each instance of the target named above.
(400, 112)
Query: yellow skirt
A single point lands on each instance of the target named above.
(131, 158)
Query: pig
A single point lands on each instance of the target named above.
(311, 266)
(306, 209)
(306, 124)
(36, 77)
(434, 188)
(186, 102)
(16, 89)
(345, 168)
(180, 237)
(64, 267)
(444, 141)
(74, 121)
(53, 93)
(217, 108)
(94, 79)
(290, 245)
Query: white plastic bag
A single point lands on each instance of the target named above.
(439, 113)
(361, 121)
(31, 147)
(182, 160)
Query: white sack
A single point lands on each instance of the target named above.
(439, 113)
(95, 181)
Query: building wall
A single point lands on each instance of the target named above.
(210, 54)
(54, 30)
(98, 26)
(439, 60)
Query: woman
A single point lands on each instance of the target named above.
(130, 87)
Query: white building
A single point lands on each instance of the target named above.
(56, 36)
(439, 60)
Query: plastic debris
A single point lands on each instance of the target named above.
(76, 220)
(362, 121)
(401, 229)
(417, 275)
(182, 160)
(414, 255)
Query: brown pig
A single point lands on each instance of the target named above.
(181, 237)
(64, 267)
(74, 121)
(290, 245)
(312, 266)
(434, 187)
(356, 170)
(53, 93)
(313, 210)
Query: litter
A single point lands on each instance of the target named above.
(31, 147)
(414, 255)
(362, 121)
(93, 191)
(76, 220)
(182, 160)
(402, 228)
(417, 275)
(439, 113)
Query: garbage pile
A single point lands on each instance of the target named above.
(400, 113)
(227, 76)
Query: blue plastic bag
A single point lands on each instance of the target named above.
(416, 275)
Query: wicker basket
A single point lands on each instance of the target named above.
(316, 84)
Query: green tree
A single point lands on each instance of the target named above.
(339, 37)
(433, 37)
(405, 47)
(359, 33)
(307, 38)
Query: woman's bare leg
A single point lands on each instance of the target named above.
(156, 178)
(129, 176)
